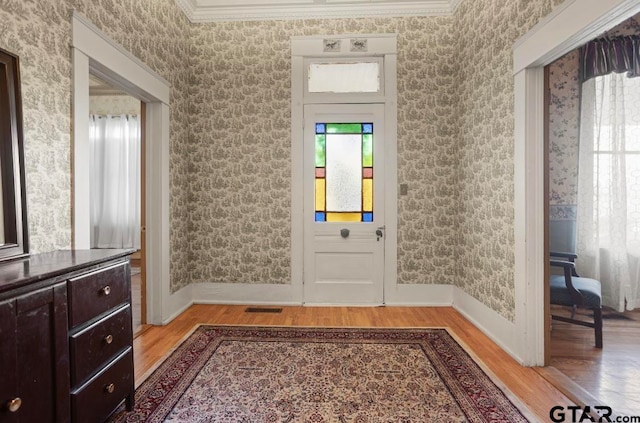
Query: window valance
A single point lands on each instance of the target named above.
(606, 55)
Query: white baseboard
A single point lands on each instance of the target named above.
(419, 295)
(266, 294)
(246, 293)
(176, 303)
(497, 328)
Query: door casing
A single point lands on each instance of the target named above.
(302, 48)
(93, 51)
(570, 25)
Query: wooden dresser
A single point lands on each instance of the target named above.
(65, 336)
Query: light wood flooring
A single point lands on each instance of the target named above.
(610, 375)
(534, 391)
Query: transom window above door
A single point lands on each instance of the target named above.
(344, 77)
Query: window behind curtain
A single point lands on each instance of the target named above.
(608, 219)
(616, 153)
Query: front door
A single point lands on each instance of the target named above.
(344, 204)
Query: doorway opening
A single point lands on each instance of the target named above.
(607, 374)
(571, 24)
(93, 52)
(117, 183)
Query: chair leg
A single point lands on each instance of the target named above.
(597, 320)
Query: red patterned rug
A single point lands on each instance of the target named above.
(275, 374)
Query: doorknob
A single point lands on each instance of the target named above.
(378, 234)
(344, 233)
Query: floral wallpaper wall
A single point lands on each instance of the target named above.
(113, 105)
(240, 190)
(156, 31)
(230, 135)
(39, 33)
(485, 31)
(564, 110)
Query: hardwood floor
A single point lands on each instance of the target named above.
(611, 375)
(534, 391)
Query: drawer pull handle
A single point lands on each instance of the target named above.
(110, 388)
(108, 339)
(14, 404)
(106, 290)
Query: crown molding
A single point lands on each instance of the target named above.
(188, 7)
(202, 11)
(454, 4)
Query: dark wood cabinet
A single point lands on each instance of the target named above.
(65, 337)
(34, 358)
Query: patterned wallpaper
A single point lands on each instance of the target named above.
(241, 156)
(40, 33)
(485, 31)
(564, 110)
(113, 105)
(156, 31)
(230, 126)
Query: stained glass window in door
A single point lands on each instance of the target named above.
(344, 172)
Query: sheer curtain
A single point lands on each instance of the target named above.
(115, 181)
(608, 221)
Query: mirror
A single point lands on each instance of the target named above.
(13, 219)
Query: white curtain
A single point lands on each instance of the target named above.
(608, 221)
(115, 181)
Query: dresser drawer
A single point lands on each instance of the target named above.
(96, 400)
(96, 345)
(96, 292)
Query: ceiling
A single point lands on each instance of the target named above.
(252, 10)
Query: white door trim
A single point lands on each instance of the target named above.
(570, 25)
(94, 51)
(378, 44)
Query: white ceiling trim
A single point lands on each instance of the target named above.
(454, 4)
(200, 11)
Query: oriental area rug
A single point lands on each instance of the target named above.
(276, 374)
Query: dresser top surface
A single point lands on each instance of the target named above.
(37, 267)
